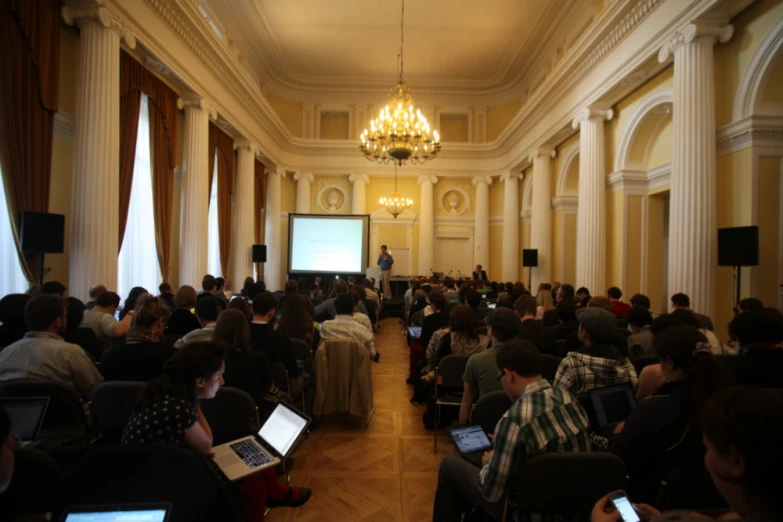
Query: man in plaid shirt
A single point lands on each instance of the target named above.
(542, 419)
(598, 364)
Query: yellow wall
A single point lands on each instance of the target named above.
(770, 205)
(334, 126)
(570, 245)
(655, 237)
(288, 194)
(290, 112)
(381, 186)
(454, 128)
(770, 91)
(499, 116)
(661, 150)
(614, 241)
(558, 228)
(496, 251)
(633, 254)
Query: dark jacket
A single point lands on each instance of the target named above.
(758, 367)
(181, 322)
(85, 337)
(248, 371)
(540, 335)
(135, 362)
(276, 346)
(432, 323)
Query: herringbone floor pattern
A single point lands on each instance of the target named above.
(384, 472)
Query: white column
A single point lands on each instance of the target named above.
(426, 224)
(481, 226)
(195, 190)
(692, 222)
(244, 230)
(360, 182)
(303, 182)
(273, 272)
(510, 264)
(95, 185)
(541, 214)
(591, 214)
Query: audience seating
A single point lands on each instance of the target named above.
(489, 409)
(565, 484)
(64, 419)
(646, 360)
(448, 379)
(232, 414)
(561, 345)
(35, 486)
(550, 365)
(303, 355)
(689, 488)
(112, 405)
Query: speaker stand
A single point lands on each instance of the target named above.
(530, 280)
(738, 278)
(41, 270)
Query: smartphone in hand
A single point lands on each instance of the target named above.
(624, 506)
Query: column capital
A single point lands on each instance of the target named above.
(715, 30)
(362, 178)
(243, 143)
(197, 102)
(598, 111)
(77, 10)
(543, 150)
(305, 176)
(511, 176)
(280, 171)
(426, 178)
(481, 179)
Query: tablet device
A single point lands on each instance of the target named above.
(491, 306)
(612, 404)
(118, 513)
(470, 439)
(415, 331)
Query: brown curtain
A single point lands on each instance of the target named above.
(135, 79)
(260, 201)
(130, 106)
(30, 61)
(224, 144)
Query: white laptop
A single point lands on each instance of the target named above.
(273, 442)
(118, 513)
(27, 414)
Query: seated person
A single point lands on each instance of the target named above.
(749, 304)
(493, 291)
(101, 319)
(167, 295)
(449, 289)
(664, 434)
(195, 373)
(372, 295)
(93, 294)
(182, 320)
(567, 324)
(344, 326)
(265, 339)
(326, 310)
(532, 330)
(13, 325)
(419, 302)
(598, 363)
(43, 354)
(641, 300)
(436, 320)
(543, 303)
(463, 336)
(582, 297)
(84, 337)
(542, 419)
(690, 319)
(481, 374)
(619, 308)
(682, 301)
(241, 305)
(207, 310)
(142, 356)
(641, 340)
(759, 334)
(130, 302)
(296, 321)
(619, 338)
(479, 274)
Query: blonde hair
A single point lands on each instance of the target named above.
(544, 299)
(148, 311)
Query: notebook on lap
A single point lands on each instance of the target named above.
(273, 442)
(612, 405)
(471, 442)
(415, 331)
(27, 414)
(118, 513)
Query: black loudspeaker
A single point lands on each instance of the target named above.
(530, 257)
(738, 246)
(259, 253)
(42, 232)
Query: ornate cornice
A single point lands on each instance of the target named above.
(629, 181)
(717, 31)
(77, 10)
(566, 204)
(659, 176)
(64, 127)
(753, 131)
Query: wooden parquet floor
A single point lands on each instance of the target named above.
(383, 472)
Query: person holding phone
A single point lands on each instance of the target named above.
(385, 261)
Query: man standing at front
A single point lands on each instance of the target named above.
(385, 261)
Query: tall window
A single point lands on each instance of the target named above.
(213, 236)
(138, 261)
(12, 279)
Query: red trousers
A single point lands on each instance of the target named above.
(256, 488)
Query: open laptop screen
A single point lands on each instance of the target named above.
(26, 415)
(282, 429)
(612, 404)
(120, 515)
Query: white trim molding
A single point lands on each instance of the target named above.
(570, 155)
(752, 131)
(745, 101)
(659, 176)
(660, 98)
(64, 127)
(632, 182)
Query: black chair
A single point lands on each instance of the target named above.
(489, 409)
(112, 405)
(64, 418)
(565, 484)
(646, 360)
(35, 485)
(587, 403)
(448, 388)
(303, 354)
(550, 366)
(561, 345)
(232, 414)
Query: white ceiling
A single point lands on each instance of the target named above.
(459, 46)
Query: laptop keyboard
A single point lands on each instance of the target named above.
(252, 455)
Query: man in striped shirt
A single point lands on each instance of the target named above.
(207, 311)
(541, 420)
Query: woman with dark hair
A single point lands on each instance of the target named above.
(84, 337)
(296, 322)
(193, 373)
(664, 433)
(509, 287)
(241, 305)
(130, 302)
(12, 316)
(419, 302)
(182, 320)
(248, 282)
(519, 291)
(463, 337)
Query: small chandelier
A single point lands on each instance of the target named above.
(400, 132)
(396, 204)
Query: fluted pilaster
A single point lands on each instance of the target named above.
(303, 182)
(360, 182)
(426, 224)
(481, 223)
(244, 229)
(273, 271)
(541, 214)
(95, 184)
(692, 221)
(510, 264)
(195, 190)
(591, 214)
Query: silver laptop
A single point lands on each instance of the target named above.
(118, 513)
(27, 414)
(273, 442)
(492, 306)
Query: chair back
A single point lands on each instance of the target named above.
(645, 360)
(65, 407)
(489, 409)
(561, 345)
(112, 405)
(278, 374)
(36, 486)
(232, 414)
(450, 371)
(417, 319)
(300, 349)
(567, 484)
(550, 364)
(343, 379)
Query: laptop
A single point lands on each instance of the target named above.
(415, 331)
(27, 414)
(612, 405)
(471, 442)
(273, 442)
(491, 306)
(118, 513)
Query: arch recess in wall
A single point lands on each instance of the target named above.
(648, 119)
(752, 79)
(570, 155)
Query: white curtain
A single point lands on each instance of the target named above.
(138, 261)
(213, 240)
(12, 279)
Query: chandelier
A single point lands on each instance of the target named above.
(396, 204)
(400, 133)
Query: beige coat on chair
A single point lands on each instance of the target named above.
(343, 379)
